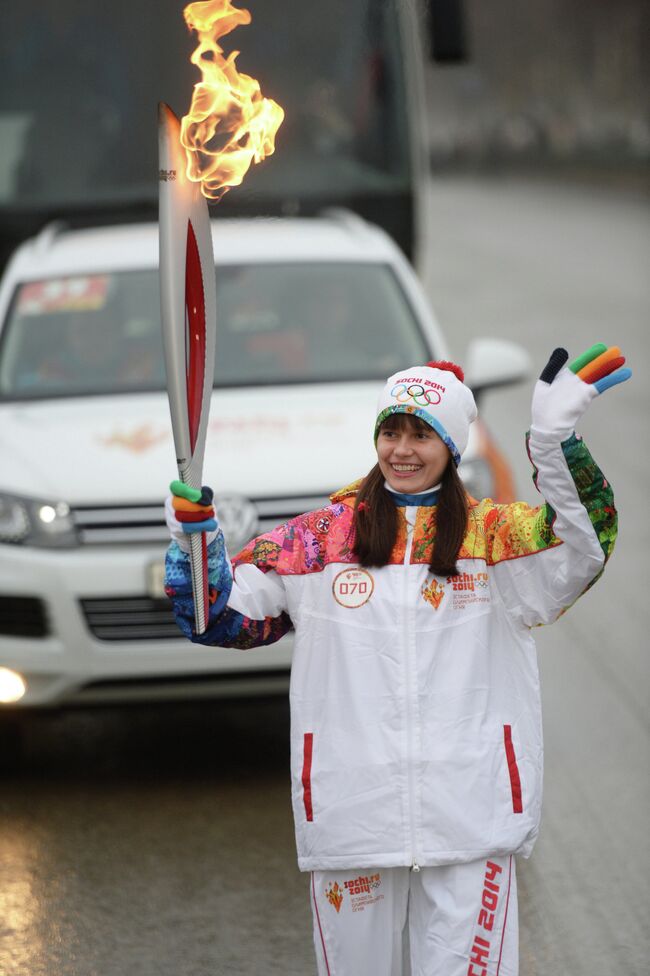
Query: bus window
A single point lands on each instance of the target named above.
(79, 86)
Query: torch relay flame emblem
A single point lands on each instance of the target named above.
(229, 126)
(433, 593)
(334, 895)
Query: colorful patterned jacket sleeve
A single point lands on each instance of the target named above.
(247, 610)
(566, 541)
(248, 600)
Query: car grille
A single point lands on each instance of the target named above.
(130, 619)
(138, 618)
(23, 616)
(131, 524)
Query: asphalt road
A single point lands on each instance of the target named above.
(159, 841)
(567, 265)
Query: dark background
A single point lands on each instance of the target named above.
(544, 84)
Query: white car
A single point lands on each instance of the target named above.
(313, 314)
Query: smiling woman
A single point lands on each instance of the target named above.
(416, 749)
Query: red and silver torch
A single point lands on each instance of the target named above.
(227, 109)
(189, 323)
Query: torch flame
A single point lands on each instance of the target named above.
(229, 124)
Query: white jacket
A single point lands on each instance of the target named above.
(415, 710)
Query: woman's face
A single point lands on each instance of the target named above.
(411, 456)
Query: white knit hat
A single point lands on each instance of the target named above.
(436, 394)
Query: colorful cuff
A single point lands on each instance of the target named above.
(207, 526)
(202, 516)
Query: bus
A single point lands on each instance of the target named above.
(80, 84)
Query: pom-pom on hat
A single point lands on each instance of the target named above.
(436, 394)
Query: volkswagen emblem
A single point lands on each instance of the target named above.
(238, 520)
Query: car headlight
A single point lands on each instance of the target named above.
(477, 478)
(35, 522)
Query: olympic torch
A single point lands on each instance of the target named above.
(229, 111)
(189, 323)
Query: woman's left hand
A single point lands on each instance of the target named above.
(563, 393)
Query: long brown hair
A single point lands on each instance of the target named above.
(375, 514)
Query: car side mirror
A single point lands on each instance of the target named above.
(496, 362)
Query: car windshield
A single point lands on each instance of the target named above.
(276, 323)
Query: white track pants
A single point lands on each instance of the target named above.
(456, 920)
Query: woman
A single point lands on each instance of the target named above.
(416, 743)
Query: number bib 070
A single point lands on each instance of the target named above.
(353, 587)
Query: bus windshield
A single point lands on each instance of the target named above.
(276, 324)
(79, 86)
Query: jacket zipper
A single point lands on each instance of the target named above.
(409, 717)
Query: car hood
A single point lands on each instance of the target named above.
(263, 442)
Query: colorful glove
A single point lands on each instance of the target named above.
(189, 510)
(562, 394)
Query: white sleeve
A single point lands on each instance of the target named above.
(257, 594)
(545, 558)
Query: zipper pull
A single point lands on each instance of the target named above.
(415, 867)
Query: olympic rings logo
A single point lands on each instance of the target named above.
(417, 393)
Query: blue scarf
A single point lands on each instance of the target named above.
(425, 498)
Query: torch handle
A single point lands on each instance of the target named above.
(190, 474)
(199, 581)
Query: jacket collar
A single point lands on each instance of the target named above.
(420, 499)
(348, 495)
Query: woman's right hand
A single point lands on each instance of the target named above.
(189, 510)
(563, 393)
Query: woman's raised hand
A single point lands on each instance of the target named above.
(563, 393)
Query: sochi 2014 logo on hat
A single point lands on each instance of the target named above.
(422, 393)
(352, 588)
